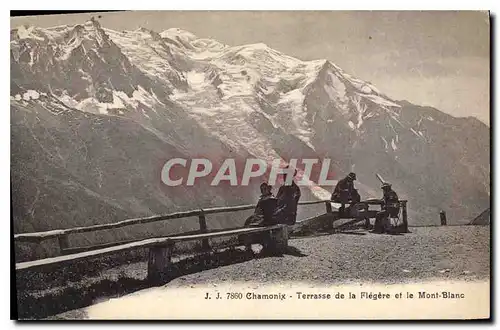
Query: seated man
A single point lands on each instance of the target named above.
(345, 193)
(264, 210)
(390, 208)
(263, 216)
(287, 201)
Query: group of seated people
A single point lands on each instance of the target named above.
(271, 210)
(282, 209)
(345, 193)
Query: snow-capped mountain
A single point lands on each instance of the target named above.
(104, 108)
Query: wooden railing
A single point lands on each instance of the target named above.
(63, 234)
(160, 249)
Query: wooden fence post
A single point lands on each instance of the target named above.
(330, 220)
(442, 216)
(328, 207)
(279, 239)
(63, 243)
(405, 217)
(203, 229)
(159, 262)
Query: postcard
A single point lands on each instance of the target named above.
(249, 165)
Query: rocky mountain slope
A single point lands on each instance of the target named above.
(96, 113)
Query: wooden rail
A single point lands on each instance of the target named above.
(62, 234)
(134, 245)
(160, 250)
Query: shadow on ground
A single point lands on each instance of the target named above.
(352, 233)
(293, 251)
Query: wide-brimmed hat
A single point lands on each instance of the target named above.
(386, 185)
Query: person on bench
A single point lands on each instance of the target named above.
(345, 193)
(390, 208)
(288, 199)
(263, 216)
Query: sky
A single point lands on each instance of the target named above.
(433, 58)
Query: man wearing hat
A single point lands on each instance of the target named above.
(345, 193)
(263, 216)
(287, 201)
(390, 207)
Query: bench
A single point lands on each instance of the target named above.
(363, 212)
(160, 250)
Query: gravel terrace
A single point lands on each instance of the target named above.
(427, 253)
(455, 252)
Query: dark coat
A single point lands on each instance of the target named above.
(288, 199)
(390, 208)
(264, 212)
(345, 192)
(391, 201)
